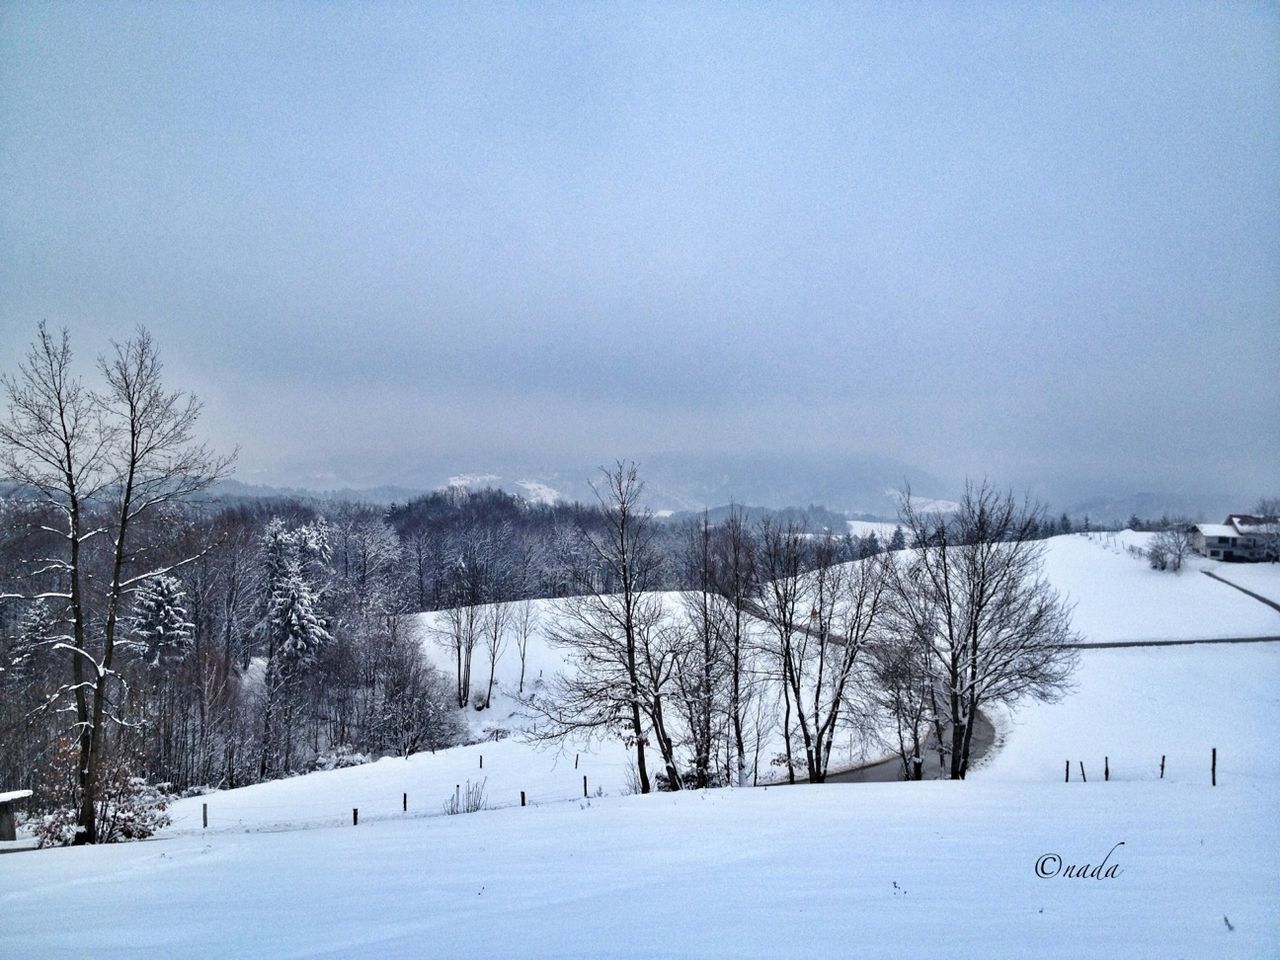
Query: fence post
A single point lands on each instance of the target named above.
(1068, 779)
(482, 761)
(404, 801)
(575, 761)
(1106, 768)
(522, 798)
(1213, 768)
(355, 817)
(1082, 776)
(204, 814)
(1162, 766)
(584, 784)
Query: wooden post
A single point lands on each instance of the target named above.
(457, 796)
(1106, 768)
(1068, 779)
(1082, 776)
(522, 798)
(1213, 768)
(204, 814)
(584, 784)
(404, 801)
(482, 761)
(355, 817)
(1162, 766)
(575, 761)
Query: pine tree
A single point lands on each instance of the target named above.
(869, 546)
(899, 539)
(159, 631)
(297, 629)
(37, 628)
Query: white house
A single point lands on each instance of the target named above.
(1240, 537)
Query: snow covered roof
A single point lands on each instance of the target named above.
(1216, 530)
(14, 795)
(1242, 521)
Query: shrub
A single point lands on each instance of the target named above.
(339, 757)
(467, 801)
(129, 809)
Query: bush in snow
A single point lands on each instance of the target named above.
(128, 807)
(339, 757)
(467, 801)
(1170, 548)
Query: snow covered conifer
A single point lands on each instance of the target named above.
(159, 629)
(37, 628)
(296, 627)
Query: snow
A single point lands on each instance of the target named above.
(925, 504)
(1118, 597)
(1260, 578)
(864, 528)
(1136, 704)
(539, 492)
(13, 795)
(465, 480)
(932, 869)
(834, 871)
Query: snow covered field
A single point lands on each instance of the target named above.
(1136, 704)
(1260, 578)
(1118, 597)
(933, 869)
(872, 870)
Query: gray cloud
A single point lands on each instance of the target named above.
(1030, 244)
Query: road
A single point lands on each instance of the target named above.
(888, 771)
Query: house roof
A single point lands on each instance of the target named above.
(1217, 530)
(1242, 520)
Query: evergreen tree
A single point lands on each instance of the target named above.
(899, 539)
(37, 628)
(1064, 523)
(159, 631)
(869, 546)
(297, 629)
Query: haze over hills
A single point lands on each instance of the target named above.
(859, 486)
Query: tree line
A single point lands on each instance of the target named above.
(149, 635)
(779, 637)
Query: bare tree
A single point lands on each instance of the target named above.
(992, 627)
(1170, 547)
(700, 649)
(104, 461)
(495, 624)
(734, 574)
(1268, 514)
(781, 559)
(612, 631)
(526, 623)
(903, 689)
(823, 618)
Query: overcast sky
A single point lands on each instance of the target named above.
(380, 240)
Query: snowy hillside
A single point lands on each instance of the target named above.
(778, 872)
(1134, 705)
(1118, 597)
